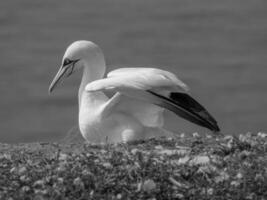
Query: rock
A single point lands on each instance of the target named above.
(200, 160)
(195, 135)
(25, 189)
(78, 182)
(39, 183)
(149, 185)
(22, 170)
(63, 157)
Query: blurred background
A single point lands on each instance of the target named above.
(217, 47)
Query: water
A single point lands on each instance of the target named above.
(217, 47)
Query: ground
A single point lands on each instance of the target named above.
(187, 167)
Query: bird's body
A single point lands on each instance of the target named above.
(135, 111)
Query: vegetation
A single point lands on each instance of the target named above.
(194, 167)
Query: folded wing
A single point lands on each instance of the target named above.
(153, 86)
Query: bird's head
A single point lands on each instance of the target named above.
(74, 58)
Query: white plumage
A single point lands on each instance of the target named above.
(136, 109)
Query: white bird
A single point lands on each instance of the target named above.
(135, 111)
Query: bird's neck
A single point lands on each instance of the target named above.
(91, 72)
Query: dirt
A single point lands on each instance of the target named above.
(187, 167)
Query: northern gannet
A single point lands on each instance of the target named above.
(135, 111)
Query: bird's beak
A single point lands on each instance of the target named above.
(62, 70)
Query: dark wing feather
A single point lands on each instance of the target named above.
(187, 101)
(188, 108)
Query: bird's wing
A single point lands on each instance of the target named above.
(156, 87)
(149, 78)
(148, 114)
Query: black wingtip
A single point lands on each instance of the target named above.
(216, 129)
(190, 104)
(188, 108)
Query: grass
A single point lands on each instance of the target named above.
(193, 167)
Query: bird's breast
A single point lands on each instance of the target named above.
(96, 127)
(90, 105)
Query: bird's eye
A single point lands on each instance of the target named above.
(66, 62)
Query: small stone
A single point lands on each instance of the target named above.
(262, 135)
(179, 196)
(86, 172)
(235, 183)
(39, 183)
(25, 189)
(239, 175)
(183, 160)
(24, 178)
(13, 170)
(196, 135)
(228, 137)
(63, 157)
(78, 182)
(159, 147)
(208, 136)
(200, 160)
(210, 191)
(60, 180)
(119, 196)
(244, 154)
(22, 170)
(247, 164)
(107, 165)
(103, 151)
(88, 155)
(149, 185)
(134, 151)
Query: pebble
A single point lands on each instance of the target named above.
(210, 191)
(22, 170)
(159, 147)
(62, 157)
(196, 135)
(262, 135)
(25, 189)
(200, 160)
(235, 183)
(183, 160)
(24, 178)
(149, 185)
(13, 170)
(78, 182)
(134, 151)
(107, 165)
(39, 183)
(239, 175)
(119, 196)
